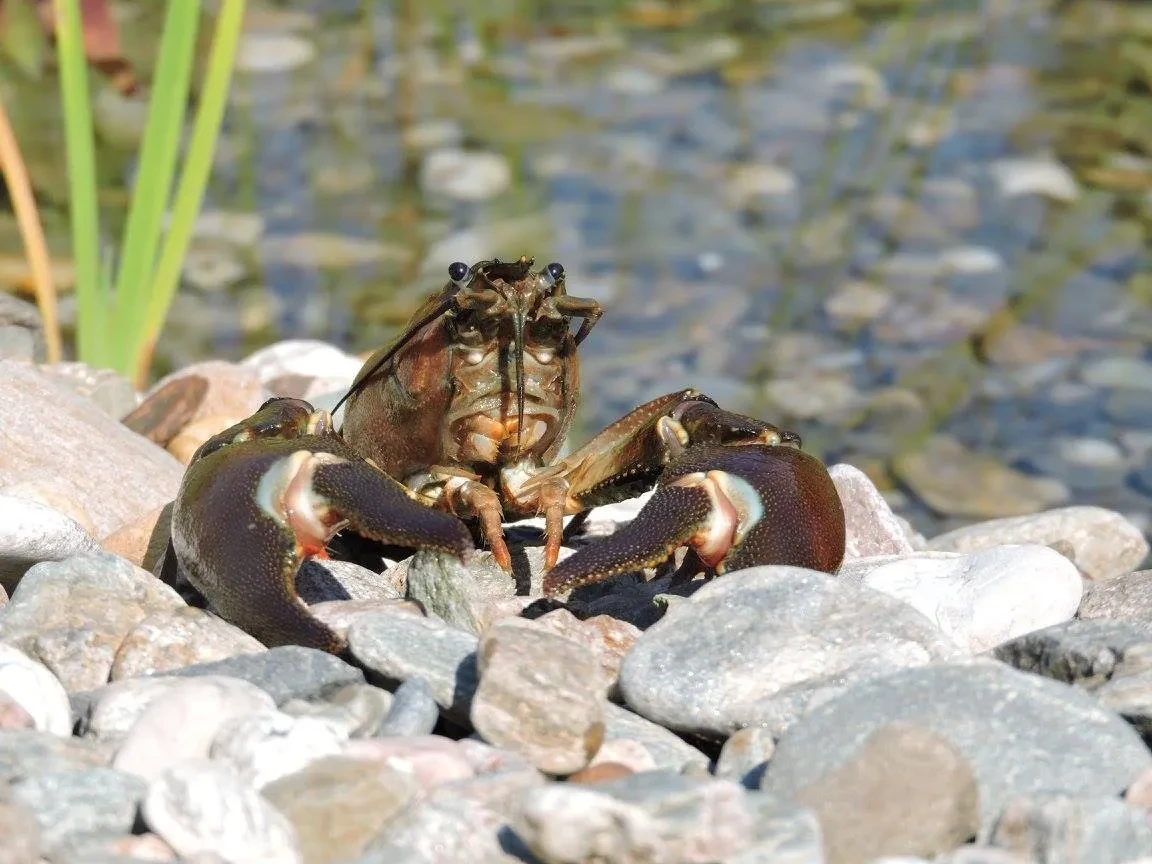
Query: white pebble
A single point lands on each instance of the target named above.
(204, 807)
(35, 689)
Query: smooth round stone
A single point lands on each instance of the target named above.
(36, 690)
(1129, 407)
(262, 53)
(465, 175)
(1119, 372)
(31, 532)
(201, 806)
(1085, 464)
(1040, 177)
(212, 269)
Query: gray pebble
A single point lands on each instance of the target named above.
(1022, 734)
(414, 710)
(68, 804)
(286, 672)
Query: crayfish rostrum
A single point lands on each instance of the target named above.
(456, 426)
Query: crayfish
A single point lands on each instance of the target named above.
(456, 426)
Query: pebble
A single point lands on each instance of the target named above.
(21, 332)
(430, 760)
(67, 804)
(21, 833)
(68, 444)
(305, 358)
(1125, 598)
(202, 806)
(855, 304)
(270, 53)
(871, 528)
(464, 175)
(269, 745)
(326, 251)
(982, 599)
(906, 791)
(1041, 177)
(229, 226)
(1101, 542)
(1086, 653)
(1085, 464)
(199, 708)
(212, 268)
(399, 646)
(1020, 733)
(108, 390)
(954, 481)
(540, 694)
(745, 755)
(414, 710)
(325, 581)
(609, 638)
(72, 615)
(360, 708)
(442, 831)
(790, 636)
(565, 824)
(337, 805)
(29, 753)
(1073, 828)
(286, 672)
(1119, 372)
(175, 638)
(36, 690)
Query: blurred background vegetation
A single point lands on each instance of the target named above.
(917, 231)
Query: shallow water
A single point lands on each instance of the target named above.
(872, 223)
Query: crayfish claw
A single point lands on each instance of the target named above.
(735, 506)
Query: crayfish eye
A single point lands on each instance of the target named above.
(457, 271)
(555, 270)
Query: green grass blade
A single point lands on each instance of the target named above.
(92, 334)
(194, 177)
(156, 169)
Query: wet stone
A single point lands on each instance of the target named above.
(792, 636)
(1103, 543)
(1073, 829)
(71, 803)
(541, 695)
(1021, 734)
(286, 672)
(414, 710)
(955, 481)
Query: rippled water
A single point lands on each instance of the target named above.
(870, 222)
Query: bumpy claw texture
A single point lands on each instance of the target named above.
(737, 506)
(252, 509)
